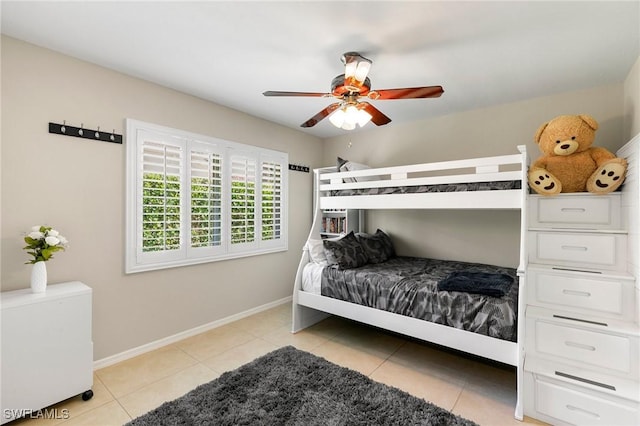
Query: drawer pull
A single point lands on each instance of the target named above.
(576, 293)
(583, 380)
(556, 268)
(580, 346)
(574, 248)
(574, 408)
(573, 209)
(581, 320)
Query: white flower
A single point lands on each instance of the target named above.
(42, 242)
(36, 235)
(52, 241)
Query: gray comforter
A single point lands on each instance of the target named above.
(409, 286)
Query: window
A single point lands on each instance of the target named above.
(194, 199)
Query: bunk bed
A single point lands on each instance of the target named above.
(487, 183)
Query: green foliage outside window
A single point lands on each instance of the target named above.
(206, 212)
(268, 219)
(242, 212)
(160, 212)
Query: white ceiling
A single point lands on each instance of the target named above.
(482, 53)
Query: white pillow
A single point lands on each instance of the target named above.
(316, 251)
(350, 166)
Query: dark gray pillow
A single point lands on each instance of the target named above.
(378, 247)
(388, 244)
(346, 252)
(341, 164)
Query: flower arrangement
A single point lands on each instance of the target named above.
(42, 242)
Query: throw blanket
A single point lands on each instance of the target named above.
(487, 283)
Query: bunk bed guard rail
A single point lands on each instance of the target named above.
(338, 189)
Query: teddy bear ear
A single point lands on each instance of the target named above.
(539, 132)
(591, 122)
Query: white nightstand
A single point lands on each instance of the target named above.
(47, 350)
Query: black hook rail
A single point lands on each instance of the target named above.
(298, 168)
(81, 132)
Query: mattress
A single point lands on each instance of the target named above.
(408, 286)
(453, 187)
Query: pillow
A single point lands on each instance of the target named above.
(349, 166)
(345, 252)
(378, 247)
(316, 251)
(388, 244)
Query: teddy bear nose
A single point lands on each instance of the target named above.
(565, 146)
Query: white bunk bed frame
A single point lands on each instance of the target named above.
(309, 308)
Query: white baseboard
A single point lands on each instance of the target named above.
(122, 356)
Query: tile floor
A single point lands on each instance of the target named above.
(479, 391)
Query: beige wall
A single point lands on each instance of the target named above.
(632, 102)
(77, 185)
(478, 236)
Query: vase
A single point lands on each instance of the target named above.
(39, 277)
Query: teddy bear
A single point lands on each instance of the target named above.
(570, 163)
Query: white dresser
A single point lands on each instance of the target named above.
(582, 340)
(47, 351)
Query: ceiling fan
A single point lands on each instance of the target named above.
(349, 87)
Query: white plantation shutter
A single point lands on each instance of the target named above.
(193, 199)
(272, 197)
(243, 199)
(159, 198)
(206, 203)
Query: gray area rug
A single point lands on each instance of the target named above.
(293, 387)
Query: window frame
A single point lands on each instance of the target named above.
(137, 260)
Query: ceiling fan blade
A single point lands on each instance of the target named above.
(321, 115)
(407, 93)
(377, 117)
(309, 94)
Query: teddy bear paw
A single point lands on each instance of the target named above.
(607, 178)
(544, 183)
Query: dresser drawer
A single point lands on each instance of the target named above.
(580, 211)
(558, 403)
(607, 346)
(610, 295)
(581, 250)
(603, 350)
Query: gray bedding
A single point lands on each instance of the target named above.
(459, 187)
(408, 286)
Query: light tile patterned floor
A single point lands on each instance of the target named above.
(480, 391)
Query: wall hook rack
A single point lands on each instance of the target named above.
(298, 168)
(81, 132)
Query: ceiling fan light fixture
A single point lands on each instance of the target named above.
(348, 125)
(363, 117)
(362, 70)
(351, 117)
(338, 117)
(356, 68)
(348, 116)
